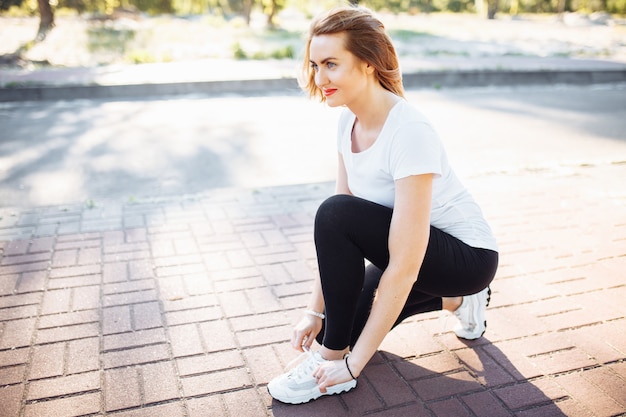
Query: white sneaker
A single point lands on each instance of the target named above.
(299, 386)
(471, 315)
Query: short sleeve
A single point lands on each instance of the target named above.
(415, 150)
(344, 123)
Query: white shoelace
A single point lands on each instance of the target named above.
(297, 371)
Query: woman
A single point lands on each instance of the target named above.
(398, 205)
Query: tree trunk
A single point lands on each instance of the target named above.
(46, 20)
(271, 15)
(247, 10)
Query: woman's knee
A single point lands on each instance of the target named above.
(335, 209)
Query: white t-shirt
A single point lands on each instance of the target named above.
(408, 145)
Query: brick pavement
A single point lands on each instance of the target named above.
(183, 307)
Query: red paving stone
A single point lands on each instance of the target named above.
(184, 307)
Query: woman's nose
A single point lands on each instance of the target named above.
(320, 78)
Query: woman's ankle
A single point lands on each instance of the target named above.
(451, 303)
(333, 355)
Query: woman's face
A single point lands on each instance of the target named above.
(339, 74)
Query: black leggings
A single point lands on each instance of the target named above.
(349, 230)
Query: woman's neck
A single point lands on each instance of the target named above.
(371, 112)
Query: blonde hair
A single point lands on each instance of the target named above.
(365, 38)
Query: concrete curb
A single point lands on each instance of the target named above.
(425, 79)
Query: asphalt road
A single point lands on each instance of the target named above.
(83, 150)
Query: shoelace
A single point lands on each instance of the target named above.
(297, 371)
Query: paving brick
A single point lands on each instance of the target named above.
(176, 270)
(58, 334)
(63, 386)
(147, 316)
(66, 319)
(12, 374)
(75, 271)
(25, 259)
(392, 390)
(116, 320)
(485, 404)
(484, 368)
(235, 304)
(128, 286)
(8, 284)
(414, 410)
(115, 272)
(566, 407)
(262, 300)
(608, 382)
(83, 355)
(17, 333)
(13, 357)
(515, 363)
(11, 399)
(259, 321)
(172, 290)
(185, 340)
(195, 315)
(47, 361)
(226, 283)
(56, 301)
(134, 297)
(135, 356)
(16, 247)
(161, 410)
(263, 363)
(197, 284)
(445, 385)
(219, 361)
(14, 313)
(140, 269)
(244, 403)
(529, 394)
(121, 388)
(450, 407)
(24, 267)
(408, 340)
(134, 339)
(264, 336)
(61, 283)
(515, 321)
(206, 406)
(586, 392)
(562, 361)
(184, 303)
(216, 382)
(62, 258)
(67, 407)
(428, 366)
(217, 336)
(160, 382)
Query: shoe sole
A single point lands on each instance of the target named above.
(318, 394)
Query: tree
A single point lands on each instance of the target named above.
(46, 20)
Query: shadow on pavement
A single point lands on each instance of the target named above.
(394, 386)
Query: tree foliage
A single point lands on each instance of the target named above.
(244, 8)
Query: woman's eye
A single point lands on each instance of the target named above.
(331, 64)
(314, 67)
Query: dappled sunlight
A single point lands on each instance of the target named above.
(125, 149)
(51, 187)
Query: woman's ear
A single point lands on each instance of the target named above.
(369, 69)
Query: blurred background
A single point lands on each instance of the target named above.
(70, 33)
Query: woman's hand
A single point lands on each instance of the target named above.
(305, 332)
(331, 373)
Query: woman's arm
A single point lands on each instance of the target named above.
(408, 239)
(307, 329)
(342, 177)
